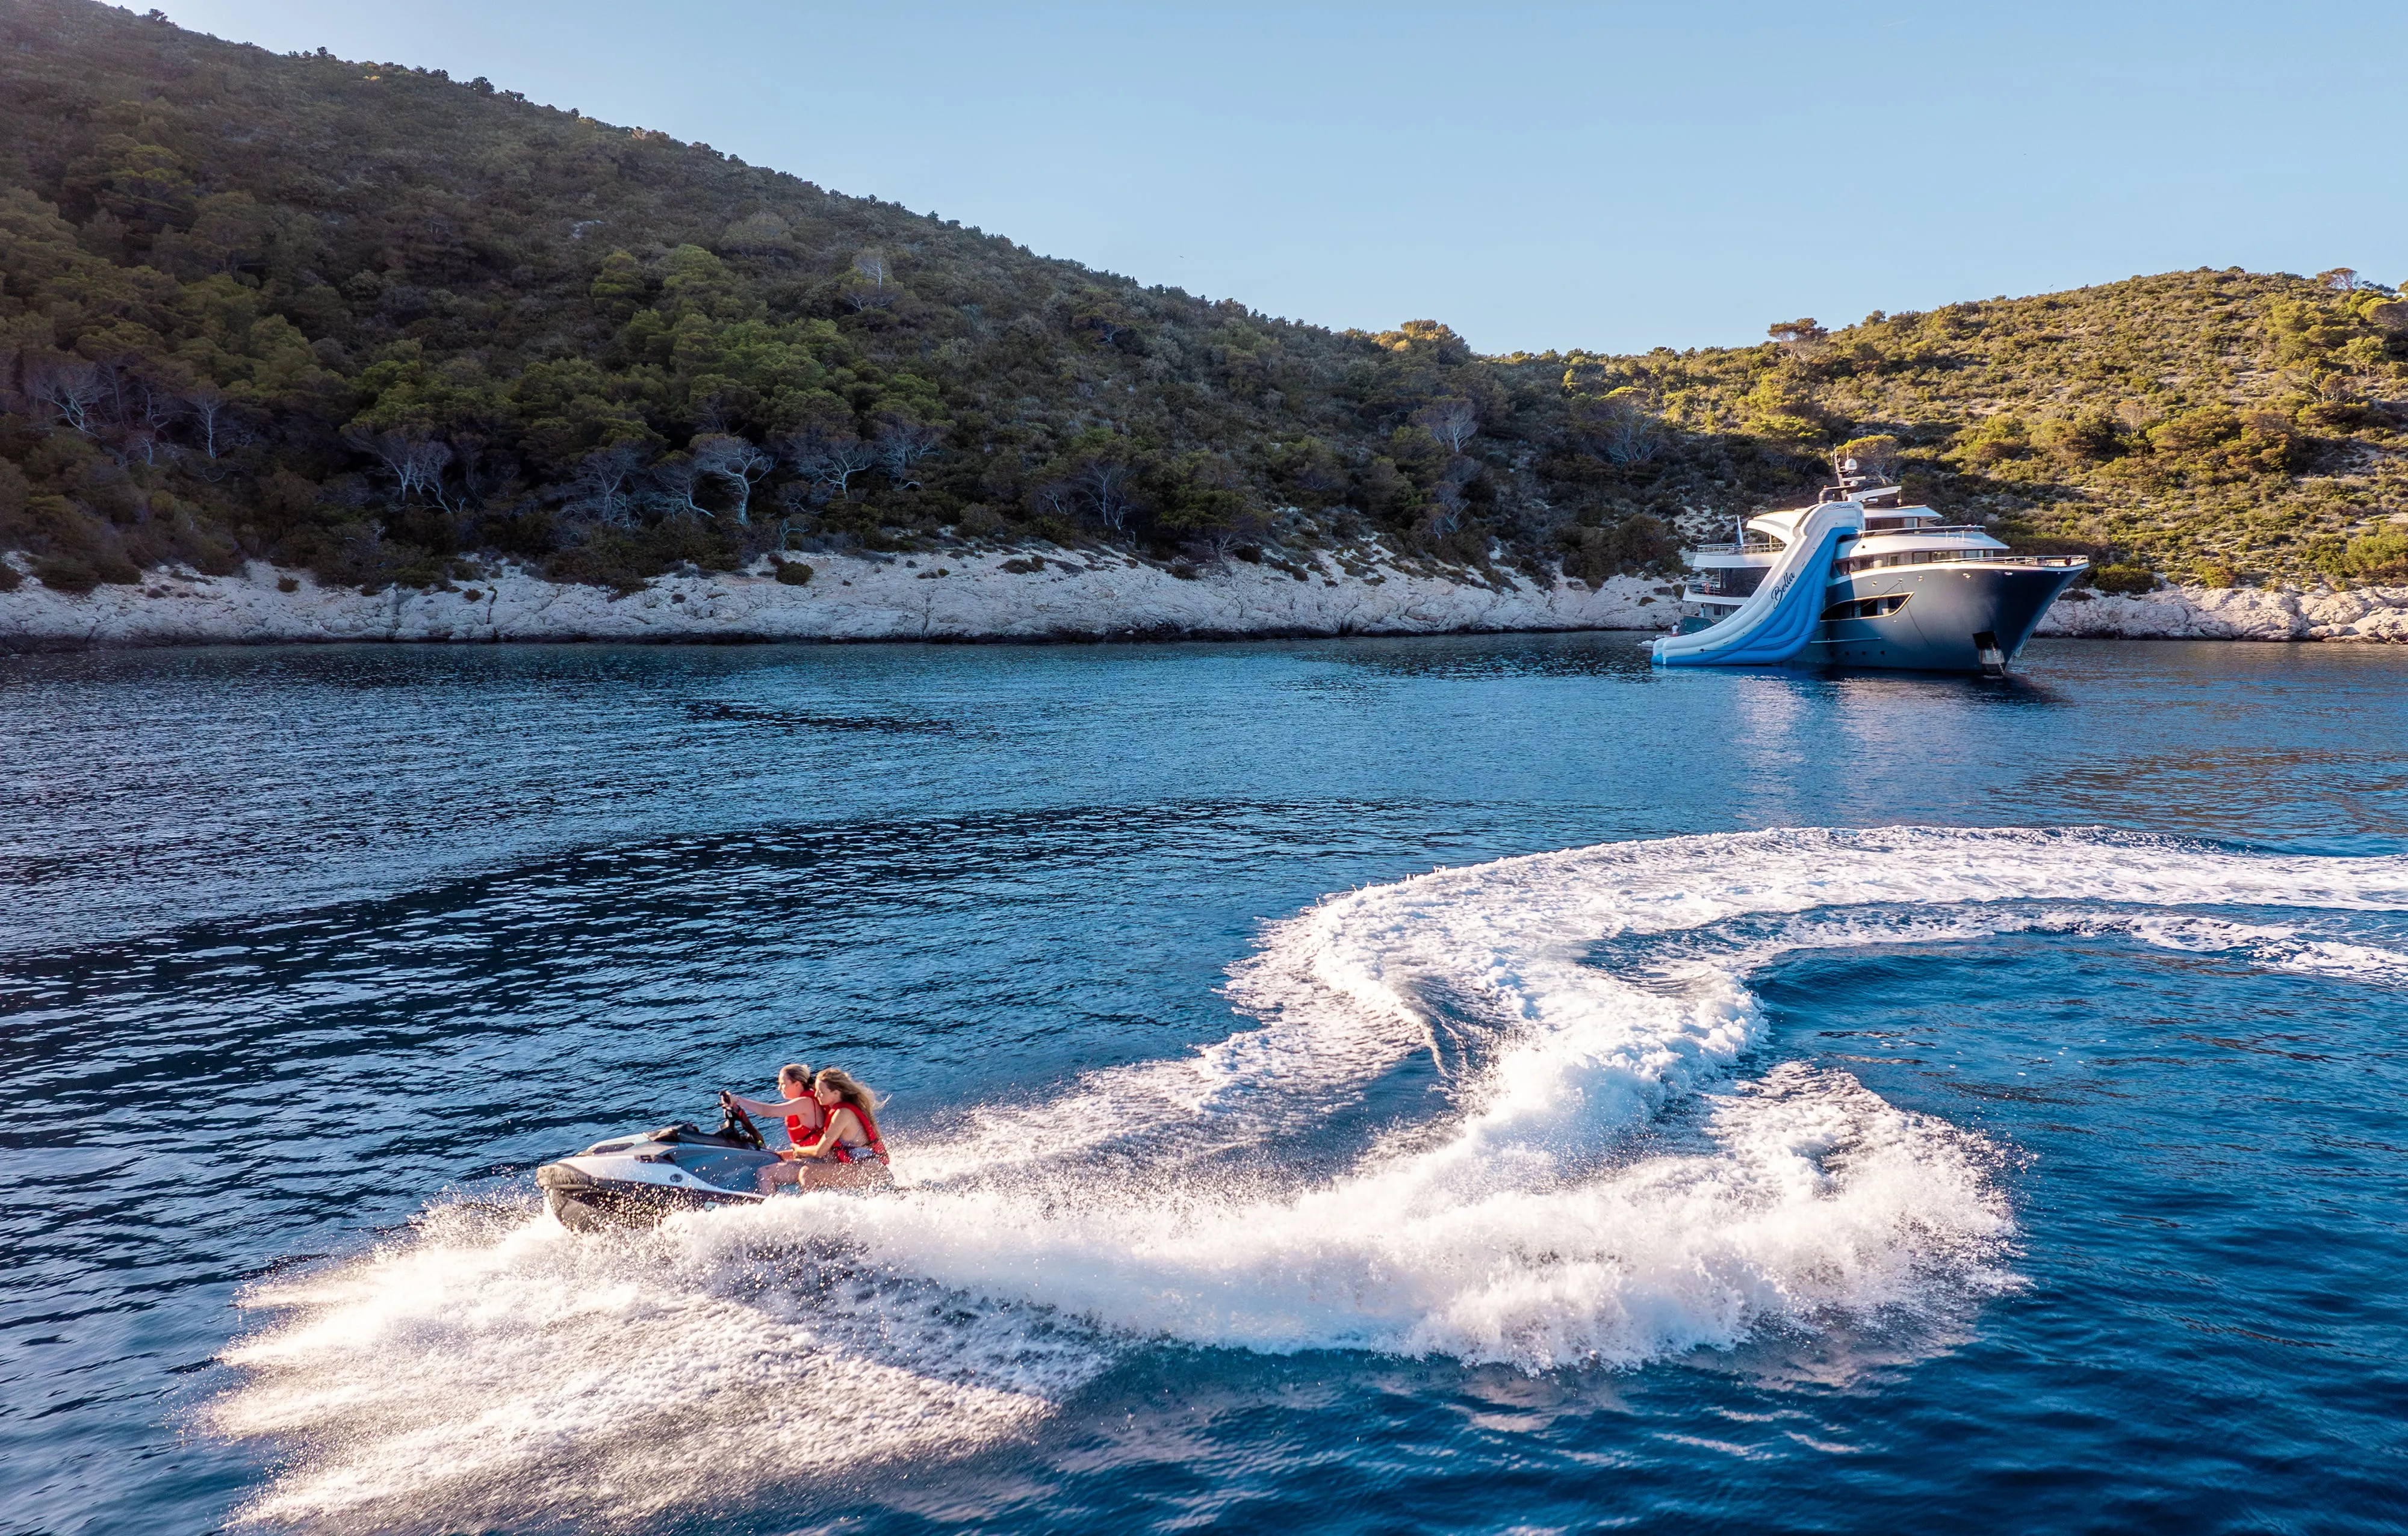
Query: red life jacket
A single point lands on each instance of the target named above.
(794, 1132)
(842, 1153)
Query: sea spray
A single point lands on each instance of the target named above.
(490, 1373)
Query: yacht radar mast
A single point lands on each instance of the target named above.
(1868, 486)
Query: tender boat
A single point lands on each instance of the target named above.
(637, 1178)
(1861, 580)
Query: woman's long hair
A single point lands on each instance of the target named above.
(848, 1090)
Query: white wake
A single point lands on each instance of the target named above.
(1586, 1175)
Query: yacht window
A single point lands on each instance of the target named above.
(1867, 608)
(1732, 580)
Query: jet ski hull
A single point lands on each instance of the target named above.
(642, 1180)
(583, 1204)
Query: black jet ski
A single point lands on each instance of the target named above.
(637, 1180)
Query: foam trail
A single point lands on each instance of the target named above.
(2260, 946)
(1805, 1194)
(2266, 948)
(1345, 990)
(468, 1378)
(1593, 1182)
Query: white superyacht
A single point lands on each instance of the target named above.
(1861, 580)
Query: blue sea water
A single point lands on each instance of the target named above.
(1470, 1084)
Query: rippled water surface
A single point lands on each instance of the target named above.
(1453, 1084)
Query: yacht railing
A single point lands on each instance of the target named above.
(1913, 556)
(1852, 565)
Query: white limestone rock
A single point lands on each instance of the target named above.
(2235, 613)
(1075, 595)
(851, 599)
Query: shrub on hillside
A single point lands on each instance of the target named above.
(106, 568)
(2123, 580)
(2378, 556)
(1633, 547)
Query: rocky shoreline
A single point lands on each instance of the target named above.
(1051, 593)
(2372, 615)
(1041, 594)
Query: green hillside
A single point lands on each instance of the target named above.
(2211, 425)
(390, 326)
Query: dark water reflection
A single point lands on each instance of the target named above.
(385, 922)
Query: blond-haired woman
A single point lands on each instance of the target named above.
(848, 1153)
(805, 1120)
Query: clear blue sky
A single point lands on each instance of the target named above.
(1536, 175)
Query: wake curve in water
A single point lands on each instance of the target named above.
(1590, 1183)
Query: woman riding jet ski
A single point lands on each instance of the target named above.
(638, 1180)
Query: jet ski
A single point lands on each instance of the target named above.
(638, 1180)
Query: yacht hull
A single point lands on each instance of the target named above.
(1968, 617)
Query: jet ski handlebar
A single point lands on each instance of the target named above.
(734, 1121)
